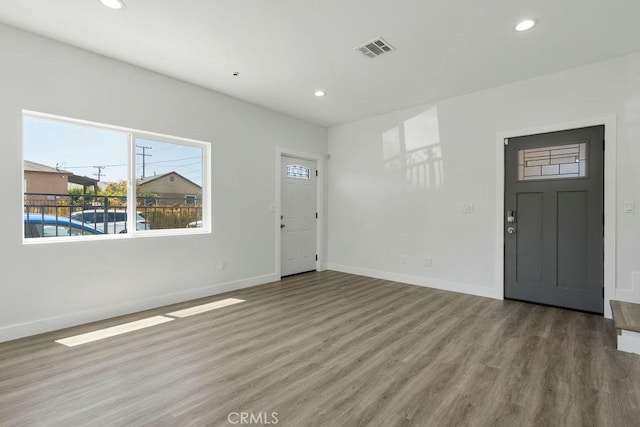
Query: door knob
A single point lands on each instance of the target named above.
(282, 225)
(511, 230)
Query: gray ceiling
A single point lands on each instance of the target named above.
(286, 49)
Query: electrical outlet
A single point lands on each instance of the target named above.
(404, 259)
(428, 262)
(223, 265)
(629, 207)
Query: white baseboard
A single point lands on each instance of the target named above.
(629, 341)
(39, 326)
(627, 295)
(463, 288)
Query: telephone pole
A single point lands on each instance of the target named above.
(144, 157)
(99, 174)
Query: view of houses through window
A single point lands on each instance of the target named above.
(77, 180)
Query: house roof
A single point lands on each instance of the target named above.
(83, 180)
(30, 166)
(148, 179)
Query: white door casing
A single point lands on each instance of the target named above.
(610, 210)
(298, 215)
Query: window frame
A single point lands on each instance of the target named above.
(133, 134)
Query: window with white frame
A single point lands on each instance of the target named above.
(93, 179)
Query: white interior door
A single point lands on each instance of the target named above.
(298, 215)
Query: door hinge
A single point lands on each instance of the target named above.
(602, 292)
(506, 141)
(316, 257)
(603, 145)
(316, 172)
(316, 215)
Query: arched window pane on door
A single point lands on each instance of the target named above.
(297, 171)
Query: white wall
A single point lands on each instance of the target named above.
(378, 211)
(49, 286)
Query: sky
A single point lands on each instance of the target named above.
(89, 151)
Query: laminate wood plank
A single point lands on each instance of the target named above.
(626, 315)
(330, 349)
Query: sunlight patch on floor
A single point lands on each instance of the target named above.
(113, 331)
(205, 307)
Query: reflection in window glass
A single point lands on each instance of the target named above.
(60, 230)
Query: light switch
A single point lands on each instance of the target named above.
(467, 208)
(629, 207)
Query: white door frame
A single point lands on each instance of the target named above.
(610, 209)
(320, 166)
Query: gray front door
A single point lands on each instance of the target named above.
(554, 219)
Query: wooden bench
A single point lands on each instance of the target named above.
(626, 319)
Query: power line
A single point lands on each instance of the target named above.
(124, 164)
(91, 166)
(174, 160)
(191, 171)
(176, 167)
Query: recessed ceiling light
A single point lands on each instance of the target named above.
(526, 24)
(113, 4)
(319, 93)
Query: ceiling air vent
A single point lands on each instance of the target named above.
(375, 48)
